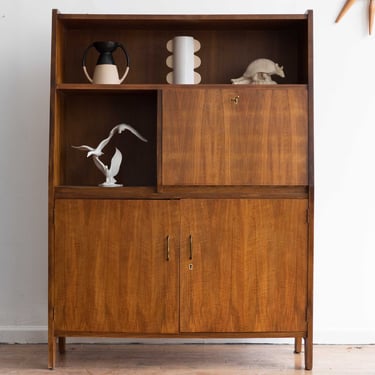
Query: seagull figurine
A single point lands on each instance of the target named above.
(110, 172)
(113, 170)
(98, 151)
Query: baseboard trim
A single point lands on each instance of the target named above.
(23, 334)
(344, 337)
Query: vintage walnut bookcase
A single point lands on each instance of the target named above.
(212, 234)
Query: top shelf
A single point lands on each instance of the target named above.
(228, 44)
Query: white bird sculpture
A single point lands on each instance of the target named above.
(98, 150)
(113, 170)
(110, 172)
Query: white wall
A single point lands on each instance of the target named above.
(344, 138)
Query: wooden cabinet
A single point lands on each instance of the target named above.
(211, 234)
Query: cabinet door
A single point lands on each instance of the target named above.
(248, 271)
(111, 267)
(253, 136)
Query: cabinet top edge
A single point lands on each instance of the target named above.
(179, 17)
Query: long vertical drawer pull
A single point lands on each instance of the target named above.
(191, 247)
(168, 248)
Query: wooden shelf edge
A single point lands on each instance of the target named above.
(88, 87)
(97, 192)
(176, 192)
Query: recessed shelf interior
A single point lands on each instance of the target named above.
(87, 118)
(226, 48)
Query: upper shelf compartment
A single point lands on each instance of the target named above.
(228, 45)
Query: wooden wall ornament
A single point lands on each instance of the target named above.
(371, 13)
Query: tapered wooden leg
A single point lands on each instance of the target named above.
(308, 353)
(51, 351)
(62, 342)
(297, 344)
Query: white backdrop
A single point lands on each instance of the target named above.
(344, 150)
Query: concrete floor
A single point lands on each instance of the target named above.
(207, 359)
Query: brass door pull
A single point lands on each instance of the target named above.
(168, 248)
(191, 247)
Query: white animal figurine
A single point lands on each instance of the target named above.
(259, 72)
(113, 170)
(110, 172)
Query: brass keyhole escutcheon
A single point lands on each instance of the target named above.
(235, 99)
(190, 267)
